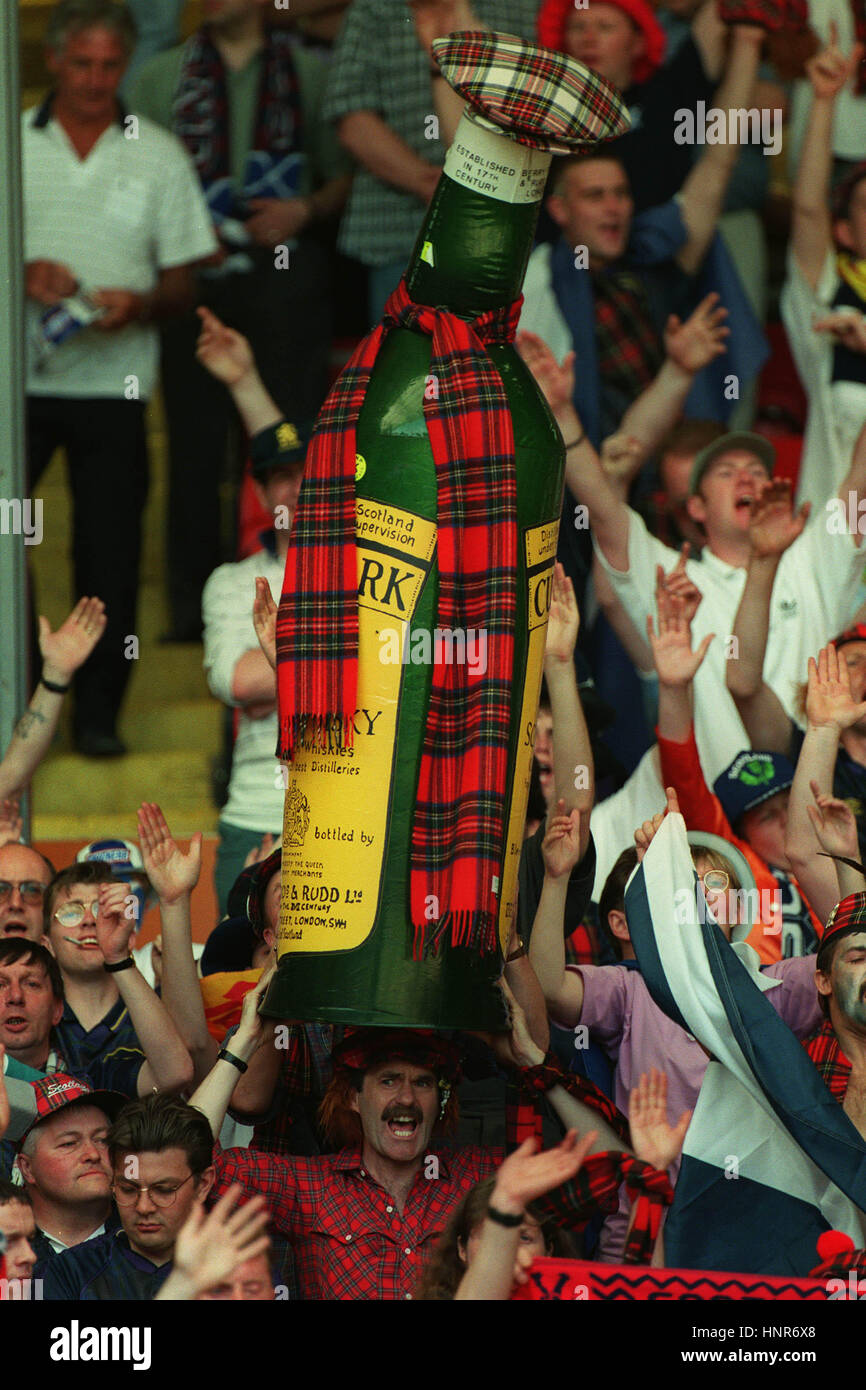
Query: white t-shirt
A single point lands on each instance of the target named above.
(256, 795)
(132, 208)
(813, 599)
(837, 409)
(541, 313)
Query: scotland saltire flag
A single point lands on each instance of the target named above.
(770, 1159)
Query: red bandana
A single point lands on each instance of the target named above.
(458, 830)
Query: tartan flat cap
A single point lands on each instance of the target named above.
(847, 916)
(57, 1090)
(363, 1048)
(536, 97)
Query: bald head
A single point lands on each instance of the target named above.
(23, 872)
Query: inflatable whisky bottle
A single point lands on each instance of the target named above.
(410, 635)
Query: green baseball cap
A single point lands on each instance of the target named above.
(740, 439)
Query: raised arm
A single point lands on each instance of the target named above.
(563, 989)
(811, 231)
(703, 193)
(521, 1178)
(167, 1065)
(435, 19)
(608, 513)
(829, 710)
(572, 751)
(63, 652)
(228, 356)
(214, 1093)
(689, 346)
(174, 875)
(773, 527)
(835, 827)
(675, 663)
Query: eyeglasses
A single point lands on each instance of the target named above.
(126, 1194)
(715, 880)
(30, 890)
(73, 914)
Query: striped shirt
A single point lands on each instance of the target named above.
(379, 66)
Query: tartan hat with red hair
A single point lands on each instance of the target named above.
(363, 1048)
(551, 31)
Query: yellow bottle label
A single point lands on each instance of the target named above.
(338, 804)
(540, 553)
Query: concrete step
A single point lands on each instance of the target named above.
(110, 790)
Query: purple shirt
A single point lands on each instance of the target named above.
(620, 1014)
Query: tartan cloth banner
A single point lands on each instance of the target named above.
(568, 1281)
(458, 830)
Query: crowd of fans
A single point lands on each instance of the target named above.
(706, 646)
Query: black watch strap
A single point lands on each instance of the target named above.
(230, 1057)
(127, 964)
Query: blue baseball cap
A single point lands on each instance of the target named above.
(751, 778)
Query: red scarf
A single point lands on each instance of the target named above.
(457, 835)
(835, 1068)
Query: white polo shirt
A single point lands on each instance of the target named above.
(837, 409)
(133, 207)
(256, 796)
(814, 598)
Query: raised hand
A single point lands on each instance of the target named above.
(525, 1175)
(555, 380)
(560, 848)
(829, 703)
(646, 833)
(830, 69)
(701, 339)
(265, 620)
(673, 657)
(113, 928)
(11, 824)
(209, 1247)
(172, 873)
(261, 851)
(680, 584)
(69, 647)
(773, 523)
(251, 1027)
(653, 1139)
(563, 621)
(222, 351)
(846, 326)
(834, 824)
(619, 455)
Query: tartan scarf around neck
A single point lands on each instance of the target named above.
(200, 109)
(458, 829)
(628, 346)
(824, 1050)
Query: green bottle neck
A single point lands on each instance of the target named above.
(472, 250)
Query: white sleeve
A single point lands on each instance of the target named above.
(825, 570)
(184, 230)
(635, 587)
(227, 610)
(540, 313)
(812, 352)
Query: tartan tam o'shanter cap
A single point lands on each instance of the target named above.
(55, 1092)
(363, 1048)
(536, 97)
(848, 916)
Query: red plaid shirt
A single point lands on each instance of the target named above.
(348, 1237)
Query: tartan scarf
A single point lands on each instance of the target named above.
(628, 346)
(824, 1050)
(200, 109)
(595, 1187)
(459, 812)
